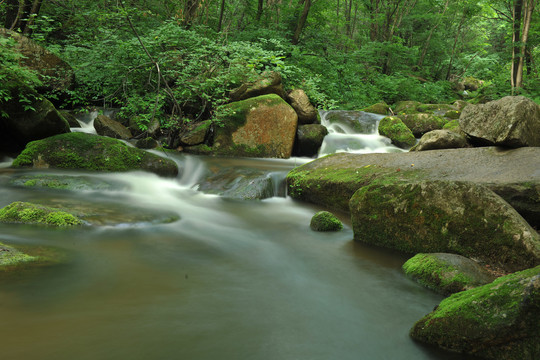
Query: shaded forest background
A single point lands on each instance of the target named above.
(177, 60)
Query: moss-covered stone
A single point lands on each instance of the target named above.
(325, 221)
(446, 273)
(422, 123)
(441, 139)
(65, 182)
(435, 108)
(445, 216)
(309, 139)
(381, 108)
(91, 152)
(393, 128)
(28, 213)
(406, 107)
(500, 320)
(452, 125)
(11, 257)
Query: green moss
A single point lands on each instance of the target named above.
(452, 114)
(379, 108)
(452, 126)
(325, 221)
(430, 108)
(10, 257)
(28, 213)
(393, 128)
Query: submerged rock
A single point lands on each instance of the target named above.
(499, 320)
(393, 128)
(444, 216)
(446, 273)
(263, 126)
(91, 152)
(11, 257)
(325, 221)
(65, 182)
(512, 121)
(28, 213)
(440, 139)
(243, 184)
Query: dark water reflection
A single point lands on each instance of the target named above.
(229, 280)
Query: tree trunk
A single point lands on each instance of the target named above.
(426, 44)
(456, 38)
(190, 12)
(528, 7)
(301, 22)
(259, 10)
(221, 10)
(34, 11)
(516, 36)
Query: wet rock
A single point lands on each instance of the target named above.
(28, 213)
(393, 128)
(242, 184)
(70, 118)
(65, 182)
(499, 320)
(406, 107)
(447, 273)
(195, 133)
(441, 139)
(453, 125)
(29, 117)
(91, 152)
(332, 180)
(268, 83)
(307, 113)
(147, 143)
(105, 126)
(309, 139)
(325, 221)
(524, 197)
(422, 123)
(512, 121)
(445, 216)
(346, 121)
(470, 83)
(263, 126)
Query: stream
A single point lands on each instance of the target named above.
(229, 280)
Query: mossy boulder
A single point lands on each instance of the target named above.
(524, 197)
(447, 273)
(422, 123)
(263, 126)
(267, 83)
(440, 139)
(406, 107)
(452, 125)
(393, 128)
(28, 213)
(105, 126)
(325, 221)
(91, 152)
(309, 139)
(147, 143)
(307, 113)
(445, 216)
(195, 133)
(70, 118)
(381, 108)
(439, 109)
(11, 257)
(500, 320)
(512, 121)
(29, 117)
(452, 114)
(65, 182)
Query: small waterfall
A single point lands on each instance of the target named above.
(86, 120)
(354, 132)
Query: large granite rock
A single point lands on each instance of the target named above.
(512, 121)
(332, 180)
(54, 72)
(422, 123)
(106, 126)
(91, 152)
(307, 113)
(309, 139)
(447, 273)
(393, 128)
(264, 126)
(500, 320)
(29, 117)
(444, 216)
(267, 83)
(441, 139)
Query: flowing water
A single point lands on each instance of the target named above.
(229, 280)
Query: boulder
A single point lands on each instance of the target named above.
(406, 107)
(309, 139)
(29, 117)
(379, 108)
(307, 113)
(331, 181)
(91, 152)
(195, 133)
(241, 184)
(325, 221)
(499, 320)
(444, 216)
(524, 197)
(70, 118)
(55, 73)
(28, 213)
(512, 121)
(393, 128)
(453, 125)
(147, 143)
(470, 83)
(437, 109)
(264, 126)
(267, 83)
(105, 126)
(447, 273)
(422, 123)
(441, 139)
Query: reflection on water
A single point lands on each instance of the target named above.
(228, 280)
